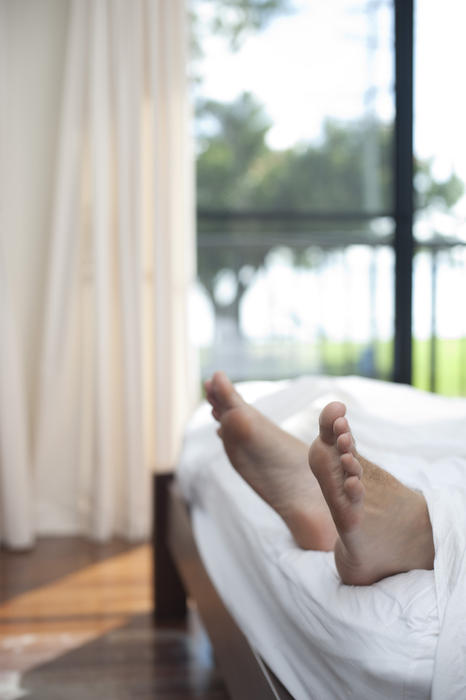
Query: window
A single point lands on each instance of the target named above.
(295, 134)
(439, 326)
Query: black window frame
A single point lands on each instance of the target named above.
(402, 210)
(403, 189)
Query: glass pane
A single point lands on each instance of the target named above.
(440, 230)
(294, 182)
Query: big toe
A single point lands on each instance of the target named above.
(222, 393)
(327, 418)
(238, 425)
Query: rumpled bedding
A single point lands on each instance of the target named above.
(403, 637)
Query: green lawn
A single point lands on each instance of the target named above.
(450, 362)
(272, 360)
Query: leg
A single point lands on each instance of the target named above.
(274, 463)
(383, 526)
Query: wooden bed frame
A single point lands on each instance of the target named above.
(179, 572)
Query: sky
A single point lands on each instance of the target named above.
(314, 63)
(319, 62)
(294, 69)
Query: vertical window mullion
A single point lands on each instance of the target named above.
(403, 189)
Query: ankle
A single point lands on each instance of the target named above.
(425, 539)
(418, 551)
(313, 530)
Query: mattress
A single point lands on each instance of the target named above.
(321, 638)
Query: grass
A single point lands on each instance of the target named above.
(450, 364)
(284, 359)
(448, 355)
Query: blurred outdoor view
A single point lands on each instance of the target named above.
(294, 105)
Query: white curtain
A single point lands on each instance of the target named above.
(103, 398)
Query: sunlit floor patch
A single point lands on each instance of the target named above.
(40, 625)
(10, 686)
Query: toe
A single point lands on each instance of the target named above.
(341, 426)
(354, 489)
(351, 465)
(224, 392)
(345, 443)
(328, 416)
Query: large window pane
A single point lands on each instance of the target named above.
(294, 175)
(440, 231)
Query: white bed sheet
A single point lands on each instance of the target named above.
(324, 639)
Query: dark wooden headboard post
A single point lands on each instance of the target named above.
(169, 592)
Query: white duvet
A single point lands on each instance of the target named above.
(403, 637)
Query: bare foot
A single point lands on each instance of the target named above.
(274, 463)
(383, 526)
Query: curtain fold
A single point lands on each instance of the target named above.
(173, 255)
(116, 377)
(54, 459)
(16, 521)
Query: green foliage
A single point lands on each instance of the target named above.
(237, 170)
(231, 140)
(235, 19)
(430, 191)
(328, 176)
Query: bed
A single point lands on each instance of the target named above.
(281, 623)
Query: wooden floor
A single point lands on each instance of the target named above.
(76, 623)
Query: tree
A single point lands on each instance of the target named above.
(234, 19)
(236, 170)
(231, 144)
(231, 140)
(226, 159)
